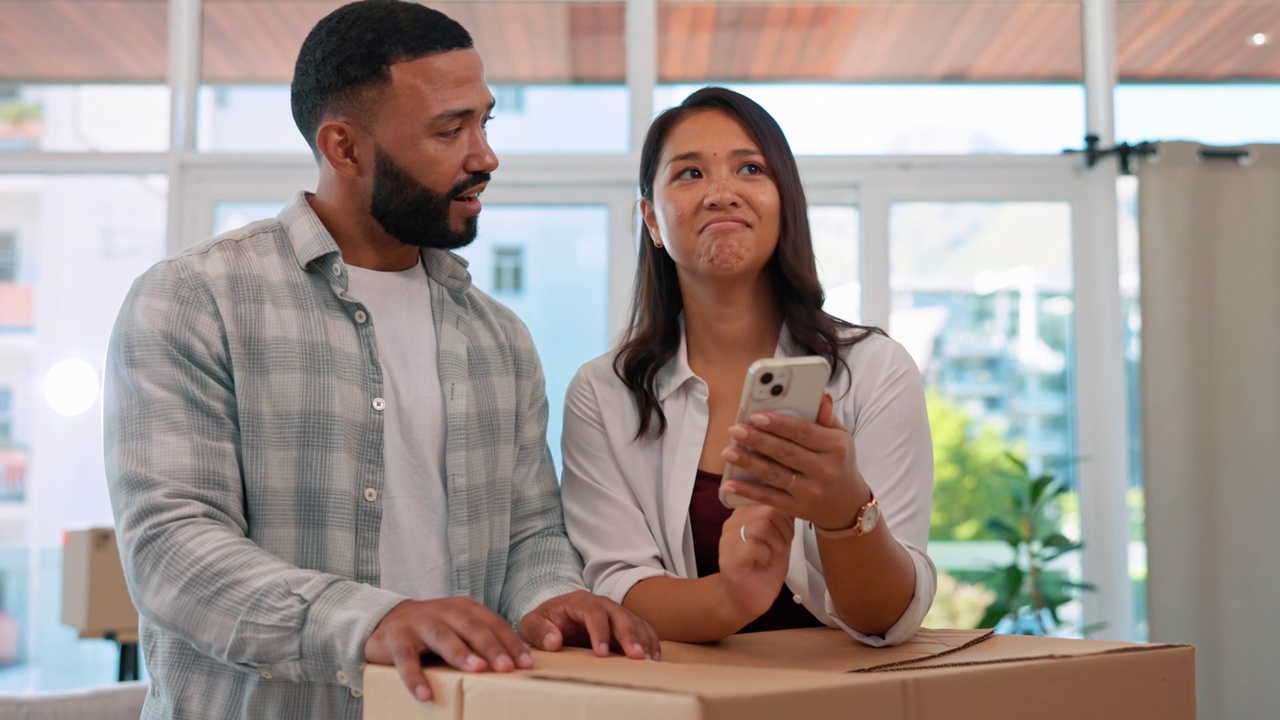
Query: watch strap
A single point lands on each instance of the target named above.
(857, 529)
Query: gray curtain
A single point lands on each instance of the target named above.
(1210, 262)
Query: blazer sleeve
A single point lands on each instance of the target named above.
(895, 454)
(602, 513)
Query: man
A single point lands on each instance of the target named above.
(324, 446)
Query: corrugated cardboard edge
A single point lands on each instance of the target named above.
(820, 649)
(929, 664)
(908, 663)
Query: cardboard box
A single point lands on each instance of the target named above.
(819, 674)
(95, 598)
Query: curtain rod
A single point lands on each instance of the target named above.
(1124, 151)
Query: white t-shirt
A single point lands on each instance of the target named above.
(413, 546)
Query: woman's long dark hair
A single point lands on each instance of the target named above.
(653, 336)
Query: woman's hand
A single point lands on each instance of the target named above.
(807, 469)
(755, 550)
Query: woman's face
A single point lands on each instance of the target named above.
(715, 208)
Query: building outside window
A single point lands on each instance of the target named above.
(8, 256)
(508, 269)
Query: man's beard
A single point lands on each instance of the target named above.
(414, 214)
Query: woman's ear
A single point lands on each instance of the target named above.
(651, 222)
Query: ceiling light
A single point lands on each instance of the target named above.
(1259, 39)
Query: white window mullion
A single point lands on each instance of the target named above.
(873, 254)
(642, 66)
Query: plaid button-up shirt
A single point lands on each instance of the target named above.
(244, 441)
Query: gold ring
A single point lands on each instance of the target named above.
(742, 532)
(793, 482)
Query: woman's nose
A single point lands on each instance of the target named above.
(721, 191)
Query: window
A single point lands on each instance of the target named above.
(51, 470)
(6, 416)
(508, 269)
(8, 256)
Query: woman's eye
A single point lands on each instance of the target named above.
(752, 169)
(690, 174)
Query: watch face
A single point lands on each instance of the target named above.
(870, 518)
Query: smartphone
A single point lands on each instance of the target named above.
(792, 386)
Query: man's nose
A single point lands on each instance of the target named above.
(482, 158)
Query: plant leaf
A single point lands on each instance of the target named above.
(1004, 530)
(993, 615)
(1056, 540)
(1055, 554)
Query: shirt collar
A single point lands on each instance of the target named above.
(312, 241)
(677, 371)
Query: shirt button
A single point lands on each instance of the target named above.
(356, 693)
(342, 677)
(379, 404)
(266, 674)
(361, 316)
(370, 494)
(337, 269)
(797, 599)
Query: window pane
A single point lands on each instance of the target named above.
(835, 246)
(844, 119)
(1218, 114)
(84, 118)
(982, 296)
(73, 270)
(565, 295)
(557, 70)
(1130, 292)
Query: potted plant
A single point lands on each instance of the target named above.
(1028, 593)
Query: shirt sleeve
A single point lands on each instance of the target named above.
(172, 449)
(541, 564)
(895, 454)
(605, 520)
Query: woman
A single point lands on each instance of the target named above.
(726, 276)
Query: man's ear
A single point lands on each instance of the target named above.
(337, 142)
(650, 220)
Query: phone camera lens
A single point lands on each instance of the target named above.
(766, 378)
(776, 390)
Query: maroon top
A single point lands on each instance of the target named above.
(706, 518)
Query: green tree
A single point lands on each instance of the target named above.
(968, 460)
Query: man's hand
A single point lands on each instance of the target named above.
(464, 633)
(586, 620)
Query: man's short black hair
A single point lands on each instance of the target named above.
(350, 50)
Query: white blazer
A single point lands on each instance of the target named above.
(627, 501)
